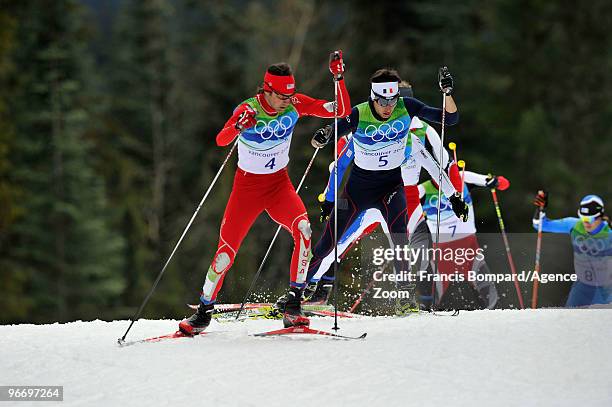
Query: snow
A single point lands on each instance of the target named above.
(548, 357)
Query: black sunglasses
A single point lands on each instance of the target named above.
(384, 102)
(282, 96)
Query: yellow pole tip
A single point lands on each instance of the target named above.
(452, 146)
(461, 164)
(321, 197)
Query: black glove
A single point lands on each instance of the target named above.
(491, 182)
(445, 80)
(326, 209)
(459, 207)
(322, 136)
(541, 200)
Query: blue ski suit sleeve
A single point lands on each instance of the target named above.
(564, 225)
(349, 123)
(431, 114)
(344, 159)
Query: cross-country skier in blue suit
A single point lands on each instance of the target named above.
(592, 242)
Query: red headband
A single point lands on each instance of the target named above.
(284, 85)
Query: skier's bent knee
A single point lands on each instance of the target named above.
(221, 262)
(304, 228)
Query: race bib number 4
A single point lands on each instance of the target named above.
(263, 162)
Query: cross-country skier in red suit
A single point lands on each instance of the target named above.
(264, 125)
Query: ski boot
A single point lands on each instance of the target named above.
(406, 304)
(199, 321)
(487, 294)
(319, 293)
(281, 302)
(292, 314)
(426, 303)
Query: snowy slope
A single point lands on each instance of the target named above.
(481, 358)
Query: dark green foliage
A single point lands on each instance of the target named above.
(109, 110)
(62, 248)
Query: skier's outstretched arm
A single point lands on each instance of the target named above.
(434, 141)
(563, 225)
(432, 114)
(488, 181)
(474, 178)
(432, 137)
(453, 171)
(308, 106)
(426, 160)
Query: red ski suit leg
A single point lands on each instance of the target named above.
(456, 265)
(251, 195)
(286, 208)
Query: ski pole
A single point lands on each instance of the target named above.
(246, 297)
(507, 245)
(336, 56)
(436, 263)
(461, 164)
(536, 269)
(161, 273)
(453, 147)
(363, 294)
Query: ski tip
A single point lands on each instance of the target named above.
(307, 330)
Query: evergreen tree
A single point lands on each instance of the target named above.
(63, 241)
(14, 301)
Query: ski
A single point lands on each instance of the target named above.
(228, 312)
(273, 313)
(248, 314)
(450, 313)
(305, 330)
(330, 313)
(175, 335)
(236, 307)
(285, 331)
(219, 308)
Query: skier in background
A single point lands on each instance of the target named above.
(458, 236)
(592, 243)
(264, 126)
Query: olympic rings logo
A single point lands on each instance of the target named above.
(277, 128)
(589, 246)
(385, 130)
(444, 203)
